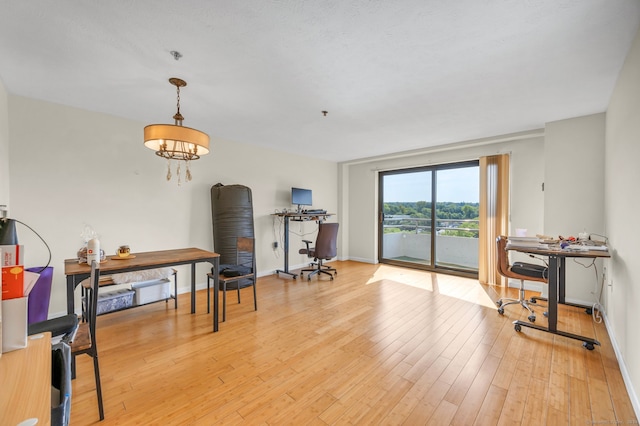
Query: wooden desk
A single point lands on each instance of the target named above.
(76, 272)
(557, 268)
(300, 217)
(25, 382)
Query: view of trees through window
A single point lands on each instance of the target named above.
(429, 216)
(458, 219)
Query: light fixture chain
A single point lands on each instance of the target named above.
(178, 97)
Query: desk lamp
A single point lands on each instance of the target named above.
(8, 235)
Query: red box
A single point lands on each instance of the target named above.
(12, 282)
(12, 255)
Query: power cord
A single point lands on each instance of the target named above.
(42, 239)
(278, 234)
(597, 305)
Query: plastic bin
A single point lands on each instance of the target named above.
(151, 291)
(114, 300)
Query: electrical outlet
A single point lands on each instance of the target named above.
(275, 245)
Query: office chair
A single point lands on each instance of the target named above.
(325, 249)
(243, 269)
(83, 341)
(521, 271)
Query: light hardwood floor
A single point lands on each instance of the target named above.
(378, 345)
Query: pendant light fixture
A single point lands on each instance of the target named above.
(176, 142)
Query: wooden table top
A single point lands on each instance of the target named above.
(25, 375)
(143, 260)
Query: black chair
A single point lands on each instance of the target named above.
(324, 249)
(60, 384)
(83, 340)
(243, 271)
(521, 271)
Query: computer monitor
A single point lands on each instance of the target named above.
(301, 197)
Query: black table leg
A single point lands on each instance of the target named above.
(556, 294)
(286, 250)
(193, 288)
(216, 290)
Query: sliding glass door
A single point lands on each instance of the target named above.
(414, 233)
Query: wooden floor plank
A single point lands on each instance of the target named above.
(377, 345)
(491, 407)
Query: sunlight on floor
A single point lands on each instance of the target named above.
(470, 291)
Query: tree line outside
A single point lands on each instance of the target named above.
(460, 216)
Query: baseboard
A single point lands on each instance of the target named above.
(363, 260)
(623, 367)
(529, 286)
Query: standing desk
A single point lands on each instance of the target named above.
(297, 217)
(76, 272)
(557, 268)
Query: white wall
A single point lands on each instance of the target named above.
(71, 167)
(4, 146)
(574, 192)
(622, 204)
(526, 183)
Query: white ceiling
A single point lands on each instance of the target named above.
(393, 75)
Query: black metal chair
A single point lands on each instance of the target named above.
(243, 271)
(324, 249)
(83, 340)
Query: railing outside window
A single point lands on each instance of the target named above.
(409, 238)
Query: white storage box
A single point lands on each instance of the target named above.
(14, 324)
(151, 291)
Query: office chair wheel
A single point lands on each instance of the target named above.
(532, 318)
(517, 328)
(499, 303)
(546, 314)
(501, 311)
(588, 346)
(589, 311)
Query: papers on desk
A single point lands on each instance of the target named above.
(580, 247)
(526, 243)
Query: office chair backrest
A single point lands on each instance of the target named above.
(505, 269)
(503, 257)
(326, 241)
